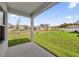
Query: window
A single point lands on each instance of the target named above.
(1, 16)
(2, 26)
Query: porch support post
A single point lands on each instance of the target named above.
(32, 28)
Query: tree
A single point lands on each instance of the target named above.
(17, 24)
(26, 27)
(42, 25)
(47, 27)
(10, 26)
(63, 25)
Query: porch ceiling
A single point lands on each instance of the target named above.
(29, 8)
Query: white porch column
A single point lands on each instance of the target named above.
(32, 28)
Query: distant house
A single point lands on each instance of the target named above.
(72, 28)
(20, 27)
(44, 27)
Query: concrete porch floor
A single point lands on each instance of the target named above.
(30, 49)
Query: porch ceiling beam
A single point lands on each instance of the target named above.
(43, 8)
(18, 12)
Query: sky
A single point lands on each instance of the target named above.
(64, 12)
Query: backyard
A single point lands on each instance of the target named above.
(56, 30)
(60, 43)
(14, 39)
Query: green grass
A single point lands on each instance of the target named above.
(23, 34)
(18, 41)
(14, 39)
(59, 43)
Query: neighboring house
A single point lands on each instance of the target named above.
(72, 28)
(44, 27)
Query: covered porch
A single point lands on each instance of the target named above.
(31, 10)
(30, 49)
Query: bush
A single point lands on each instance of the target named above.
(76, 31)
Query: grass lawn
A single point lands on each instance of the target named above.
(59, 42)
(14, 39)
(18, 41)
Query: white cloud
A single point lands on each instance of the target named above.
(70, 17)
(73, 4)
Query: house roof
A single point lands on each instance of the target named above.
(29, 8)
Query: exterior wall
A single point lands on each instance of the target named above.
(4, 44)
